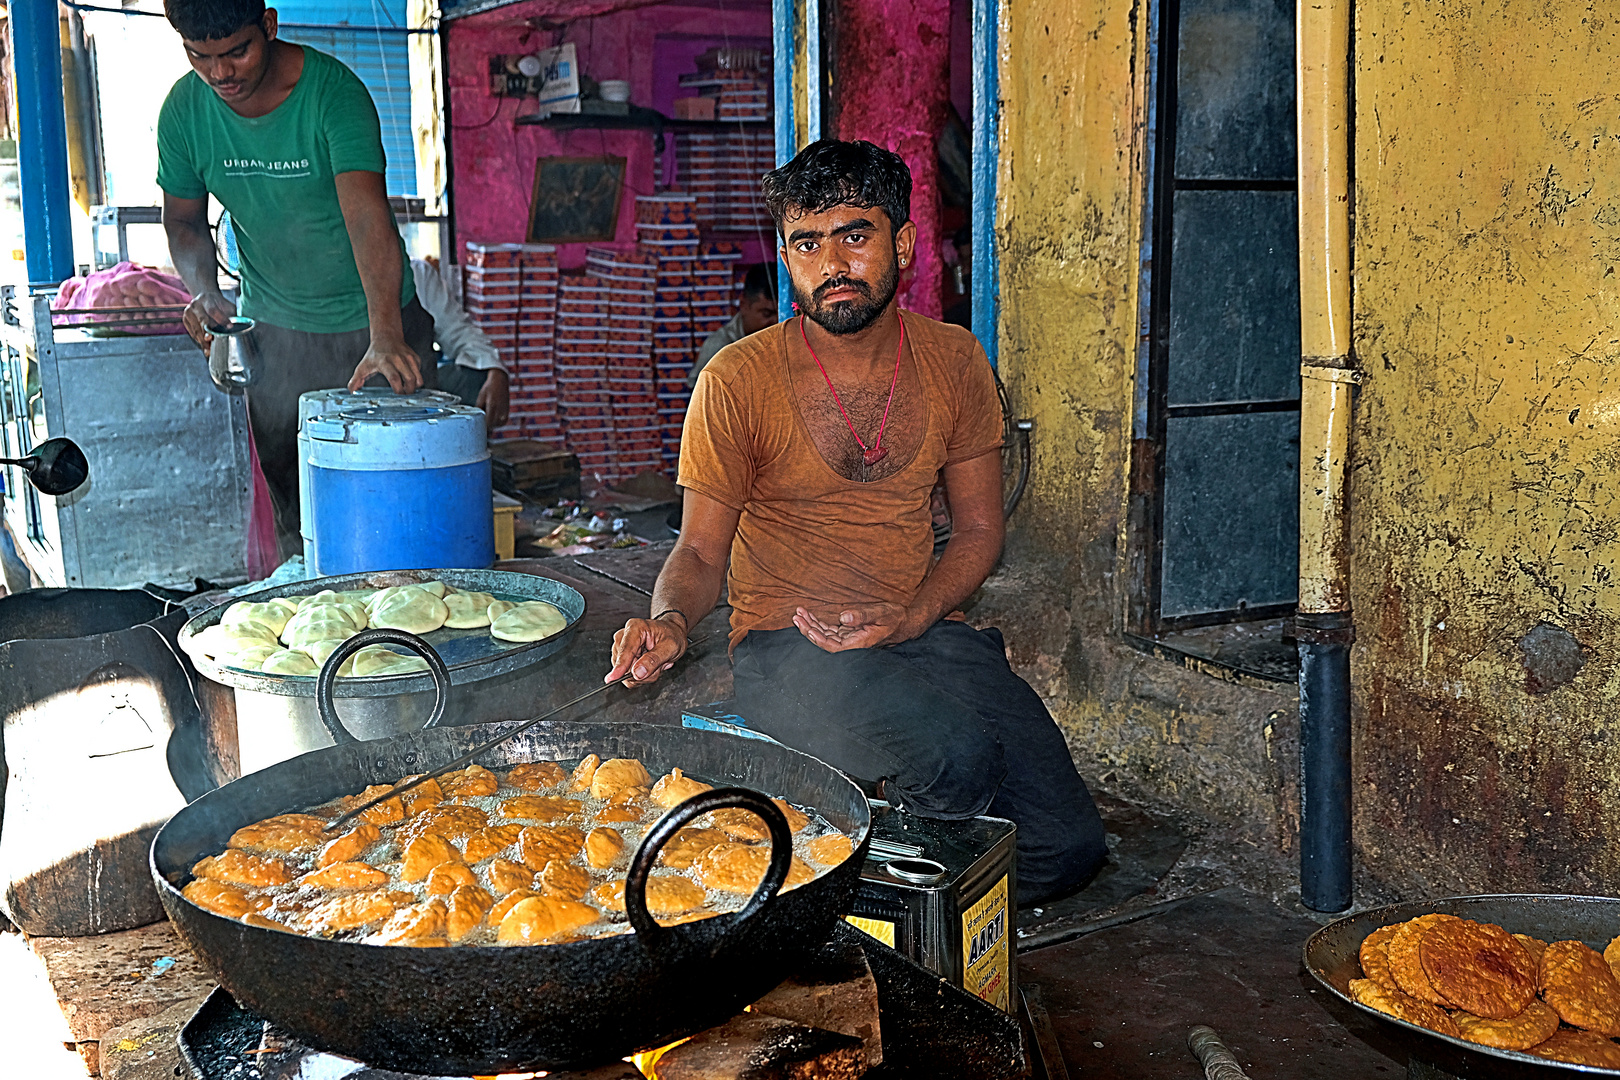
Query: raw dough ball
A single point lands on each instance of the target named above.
(250, 658)
(319, 650)
(414, 610)
(326, 598)
(468, 610)
(437, 588)
(498, 608)
(237, 638)
(434, 589)
(271, 617)
(289, 662)
(381, 660)
(302, 631)
(529, 621)
(208, 642)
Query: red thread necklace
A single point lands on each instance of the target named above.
(875, 453)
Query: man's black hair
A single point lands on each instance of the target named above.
(760, 281)
(831, 173)
(211, 20)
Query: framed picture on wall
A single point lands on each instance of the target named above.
(575, 199)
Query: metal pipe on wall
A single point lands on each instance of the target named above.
(1327, 375)
(42, 156)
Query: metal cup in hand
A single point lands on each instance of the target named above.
(233, 356)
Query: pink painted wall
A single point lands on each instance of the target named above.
(895, 86)
(493, 159)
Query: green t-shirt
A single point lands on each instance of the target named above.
(275, 174)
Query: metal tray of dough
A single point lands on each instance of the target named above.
(471, 655)
(1332, 955)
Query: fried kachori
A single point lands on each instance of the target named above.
(1402, 1006)
(1579, 1048)
(1580, 985)
(1478, 967)
(1530, 1028)
(1404, 963)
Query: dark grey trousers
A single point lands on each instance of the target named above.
(294, 362)
(946, 725)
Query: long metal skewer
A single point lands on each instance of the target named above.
(466, 758)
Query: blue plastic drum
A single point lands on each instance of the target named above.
(394, 488)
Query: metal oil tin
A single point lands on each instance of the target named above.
(943, 893)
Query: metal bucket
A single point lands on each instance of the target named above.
(258, 720)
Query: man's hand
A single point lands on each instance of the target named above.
(647, 648)
(494, 397)
(207, 309)
(865, 626)
(397, 362)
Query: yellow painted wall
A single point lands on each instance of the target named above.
(1487, 248)
(1069, 225)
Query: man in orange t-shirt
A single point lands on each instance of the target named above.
(810, 452)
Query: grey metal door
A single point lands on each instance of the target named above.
(1220, 409)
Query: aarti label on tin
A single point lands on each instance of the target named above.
(882, 929)
(985, 953)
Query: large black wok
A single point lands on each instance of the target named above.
(1331, 955)
(468, 1010)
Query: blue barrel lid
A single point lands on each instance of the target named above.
(372, 437)
(338, 398)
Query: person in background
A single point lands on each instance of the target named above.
(960, 313)
(755, 313)
(288, 140)
(469, 364)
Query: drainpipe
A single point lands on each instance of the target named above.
(1327, 374)
(42, 158)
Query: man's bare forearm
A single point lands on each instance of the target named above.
(192, 250)
(967, 560)
(687, 584)
(375, 240)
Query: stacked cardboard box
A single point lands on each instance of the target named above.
(667, 232)
(583, 398)
(723, 169)
(629, 277)
(738, 94)
(510, 292)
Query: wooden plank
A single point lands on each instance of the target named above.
(104, 981)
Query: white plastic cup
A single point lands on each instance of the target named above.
(615, 90)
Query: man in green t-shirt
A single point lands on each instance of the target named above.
(288, 140)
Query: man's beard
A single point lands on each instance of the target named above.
(849, 316)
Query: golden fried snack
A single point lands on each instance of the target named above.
(448, 820)
(350, 845)
(539, 844)
(534, 775)
(387, 812)
(739, 868)
(563, 881)
(505, 904)
(253, 918)
(583, 773)
(1404, 963)
(687, 845)
(469, 783)
(419, 798)
(835, 847)
(539, 919)
(468, 906)
(424, 853)
(618, 815)
(1480, 968)
(221, 899)
(542, 808)
(491, 841)
(617, 774)
(235, 867)
(1534, 946)
(1579, 1048)
(1530, 1028)
(446, 878)
(1580, 985)
(667, 894)
(739, 824)
(1611, 953)
(676, 788)
(796, 819)
(284, 834)
(346, 875)
(1402, 1007)
(602, 846)
(408, 924)
(1374, 955)
(351, 912)
(506, 876)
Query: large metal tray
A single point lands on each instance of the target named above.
(471, 655)
(1332, 956)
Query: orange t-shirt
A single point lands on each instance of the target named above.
(807, 535)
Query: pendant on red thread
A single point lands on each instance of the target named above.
(874, 455)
